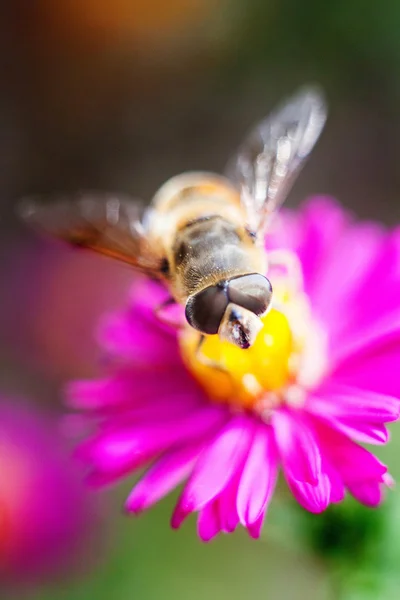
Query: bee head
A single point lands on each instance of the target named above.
(232, 308)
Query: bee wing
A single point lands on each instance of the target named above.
(271, 157)
(109, 224)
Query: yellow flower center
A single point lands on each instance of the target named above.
(275, 369)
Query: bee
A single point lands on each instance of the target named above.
(203, 234)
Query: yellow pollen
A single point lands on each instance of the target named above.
(242, 377)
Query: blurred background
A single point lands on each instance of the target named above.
(120, 96)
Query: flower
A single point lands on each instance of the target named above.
(320, 378)
(44, 506)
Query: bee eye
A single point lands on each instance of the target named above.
(204, 310)
(253, 292)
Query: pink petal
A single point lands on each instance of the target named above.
(258, 478)
(353, 463)
(366, 433)
(369, 493)
(255, 528)
(94, 394)
(297, 446)
(219, 515)
(388, 480)
(216, 467)
(208, 525)
(285, 231)
(339, 280)
(322, 222)
(314, 498)
(379, 333)
(162, 477)
(138, 340)
(226, 504)
(346, 402)
(129, 389)
(359, 414)
(160, 410)
(124, 449)
(313, 494)
(376, 369)
(337, 486)
(385, 270)
(145, 295)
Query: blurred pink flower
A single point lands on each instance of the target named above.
(44, 507)
(322, 376)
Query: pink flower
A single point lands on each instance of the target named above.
(321, 378)
(44, 506)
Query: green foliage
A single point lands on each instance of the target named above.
(346, 532)
(349, 46)
(359, 545)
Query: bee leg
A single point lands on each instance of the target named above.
(158, 313)
(284, 259)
